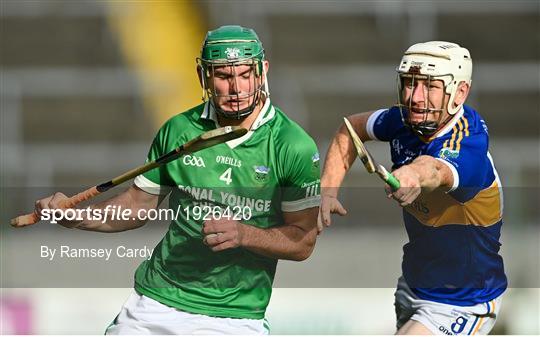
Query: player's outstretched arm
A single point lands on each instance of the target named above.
(425, 173)
(99, 218)
(292, 241)
(339, 158)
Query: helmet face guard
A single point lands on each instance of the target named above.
(257, 86)
(427, 62)
(224, 51)
(426, 126)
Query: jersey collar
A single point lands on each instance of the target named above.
(265, 115)
(448, 127)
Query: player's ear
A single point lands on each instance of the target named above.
(462, 93)
(266, 66)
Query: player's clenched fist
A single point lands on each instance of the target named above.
(410, 186)
(53, 202)
(221, 234)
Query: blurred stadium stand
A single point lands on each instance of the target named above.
(84, 86)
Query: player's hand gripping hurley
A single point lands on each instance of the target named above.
(205, 140)
(370, 164)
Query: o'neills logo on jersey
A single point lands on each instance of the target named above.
(190, 160)
(229, 161)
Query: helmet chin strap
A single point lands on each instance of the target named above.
(238, 114)
(425, 129)
(429, 128)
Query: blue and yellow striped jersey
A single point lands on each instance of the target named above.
(453, 251)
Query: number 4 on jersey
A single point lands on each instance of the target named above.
(226, 176)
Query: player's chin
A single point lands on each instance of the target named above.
(417, 121)
(417, 118)
(233, 107)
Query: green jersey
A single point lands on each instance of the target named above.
(272, 169)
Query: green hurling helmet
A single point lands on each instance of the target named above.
(232, 46)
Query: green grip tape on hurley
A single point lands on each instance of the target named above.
(392, 181)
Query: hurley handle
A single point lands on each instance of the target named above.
(32, 218)
(389, 178)
(393, 182)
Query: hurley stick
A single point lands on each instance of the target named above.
(205, 140)
(367, 159)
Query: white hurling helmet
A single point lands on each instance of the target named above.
(435, 60)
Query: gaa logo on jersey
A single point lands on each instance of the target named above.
(261, 173)
(190, 160)
(448, 154)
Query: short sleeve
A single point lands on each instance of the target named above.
(301, 181)
(157, 180)
(467, 158)
(383, 124)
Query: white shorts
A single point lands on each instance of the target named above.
(141, 315)
(444, 319)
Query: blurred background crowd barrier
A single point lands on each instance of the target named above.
(85, 85)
